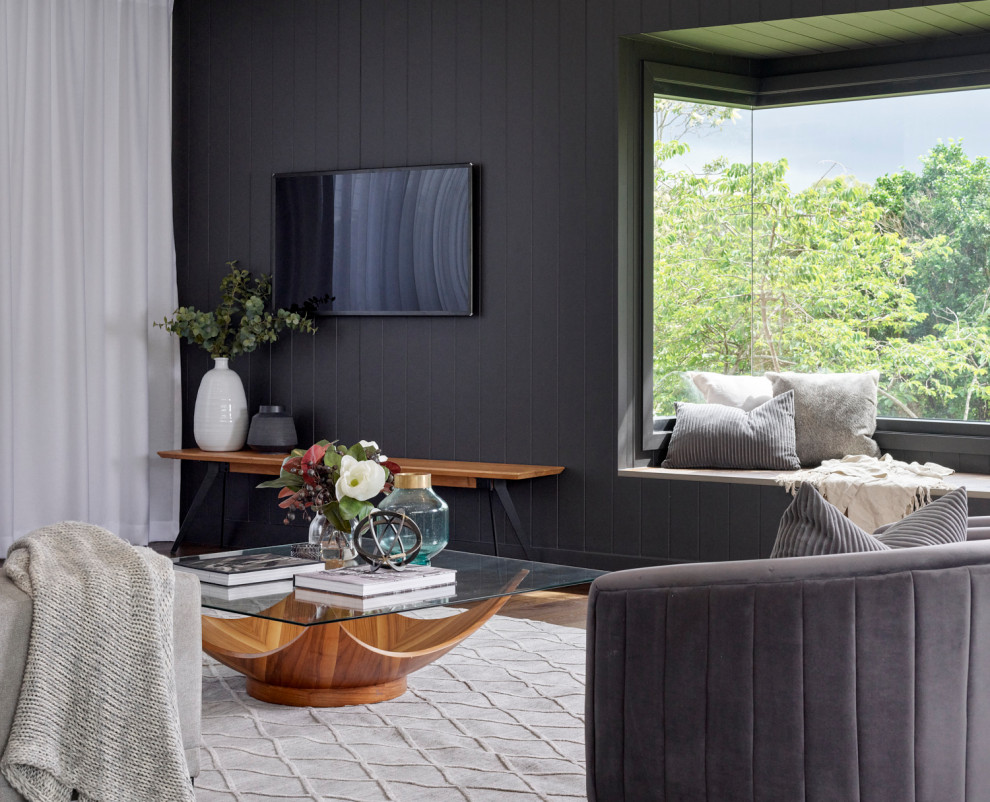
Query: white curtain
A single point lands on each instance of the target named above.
(88, 390)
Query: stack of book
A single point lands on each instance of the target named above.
(360, 588)
(239, 576)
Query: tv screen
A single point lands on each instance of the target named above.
(375, 242)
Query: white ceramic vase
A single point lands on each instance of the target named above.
(220, 421)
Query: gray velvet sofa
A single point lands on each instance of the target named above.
(847, 677)
(15, 628)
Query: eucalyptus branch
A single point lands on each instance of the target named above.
(241, 321)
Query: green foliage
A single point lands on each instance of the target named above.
(308, 480)
(949, 201)
(242, 320)
(751, 276)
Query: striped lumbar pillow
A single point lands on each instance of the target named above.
(942, 521)
(718, 436)
(810, 525)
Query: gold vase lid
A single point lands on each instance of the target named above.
(410, 481)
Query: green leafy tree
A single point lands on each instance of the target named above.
(750, 276)
(948, 201)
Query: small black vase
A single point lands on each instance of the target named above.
(272, 430)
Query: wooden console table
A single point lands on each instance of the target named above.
(445, 473)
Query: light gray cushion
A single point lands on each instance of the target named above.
(835, 414)
(718, 436)
(745, 392)
(945, 520)
(810, 526)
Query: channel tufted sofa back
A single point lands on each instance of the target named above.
(847, 677)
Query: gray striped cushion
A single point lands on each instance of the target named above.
(810, 525)
(943, 521)
(718, 436)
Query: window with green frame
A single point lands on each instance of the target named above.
(843, 236)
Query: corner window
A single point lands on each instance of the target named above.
(841, 236)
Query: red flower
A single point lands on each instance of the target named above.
(312, 458)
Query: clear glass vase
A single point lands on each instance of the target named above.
(414, 496)
(336, 547)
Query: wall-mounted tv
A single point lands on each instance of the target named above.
(393, 241)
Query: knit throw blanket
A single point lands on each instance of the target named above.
(97, 712)
(871, 491)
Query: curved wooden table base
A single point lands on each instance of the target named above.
(347, 663)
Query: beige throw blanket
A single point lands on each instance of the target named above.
(97, 710)
(871, 491)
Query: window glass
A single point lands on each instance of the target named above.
(837, 237)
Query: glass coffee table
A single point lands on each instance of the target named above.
(296, 652)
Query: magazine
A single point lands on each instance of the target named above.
(244, 569)
(280, 587)
(365, 604)
(362, 581)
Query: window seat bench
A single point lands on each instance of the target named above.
(977, 484)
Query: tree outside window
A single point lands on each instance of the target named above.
(751, 274)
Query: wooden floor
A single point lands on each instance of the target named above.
(566, 608)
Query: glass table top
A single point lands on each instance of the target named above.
(479, 577)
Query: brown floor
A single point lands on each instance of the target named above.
(567, 608)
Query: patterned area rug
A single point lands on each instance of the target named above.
(498, 719)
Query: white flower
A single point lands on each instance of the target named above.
(360, 480)
(369, 444)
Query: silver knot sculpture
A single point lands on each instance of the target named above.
(382, 539)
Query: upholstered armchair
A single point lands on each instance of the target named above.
(15, 628)
(854, 676)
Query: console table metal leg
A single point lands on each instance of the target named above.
(212, 469)
(500, 487)
(223, 500)
(491, 514)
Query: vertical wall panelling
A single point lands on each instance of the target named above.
(495, 205)
(628, 19)
(849, 6)
(327, 157)
(806, 8)
(685, 512)
(519, 264)
(181, 101)
(775, 9)
(654, 520)
(773, 502)
(367, 393)
(193, 251)
(684, 15)
(544, 396)
(292, 144)
(713, 521)
(395, 127)
(744, 522)
(301, 348)
(253, 115)
(655, 16)
(444, 114)
(350, 134)
(600, 287)
(417, 337)
(573, 484)
(469, 515)
(527, 90)
(713, 10)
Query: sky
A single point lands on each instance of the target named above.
(863, 138)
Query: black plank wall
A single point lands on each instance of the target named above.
(526, 89)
